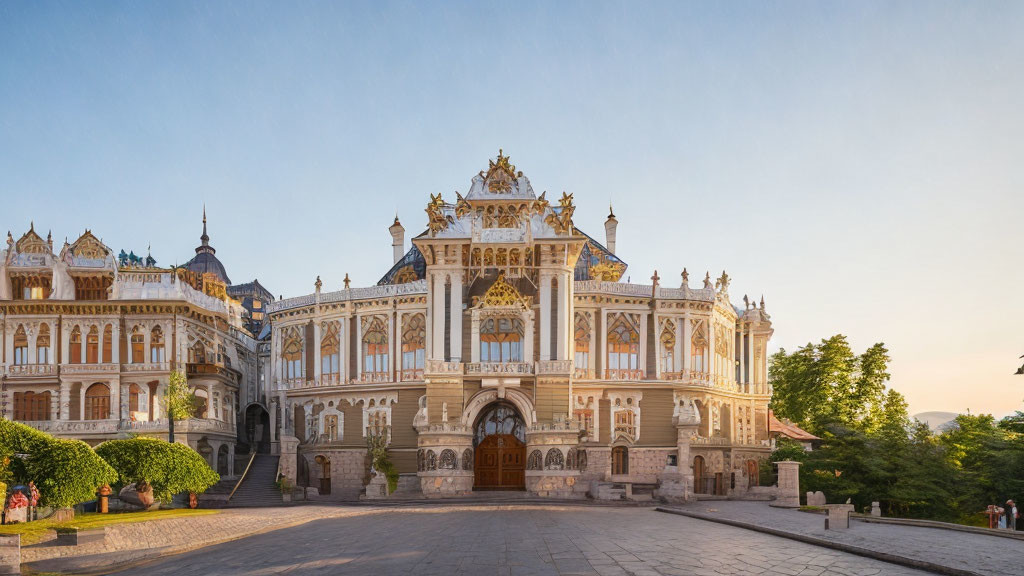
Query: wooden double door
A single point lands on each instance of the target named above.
(500, 463)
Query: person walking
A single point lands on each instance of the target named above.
(1011, 515)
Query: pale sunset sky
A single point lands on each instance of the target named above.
(857, 163)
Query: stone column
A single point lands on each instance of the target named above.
(789, 485)
(115, 400)
(317, 364)
(65, 401)
(712, 355)
(81, 401)
(438, 352)
(743, 360)
(474, 344)
(343, 343)
(391, 346)
(359, 352)
(115, 346)
(545, 316)
(455, 352)
(562, 348)
(601, 323)
(397, 347)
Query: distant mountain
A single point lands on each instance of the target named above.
(937, 421)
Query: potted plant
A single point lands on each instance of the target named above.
(285, 486)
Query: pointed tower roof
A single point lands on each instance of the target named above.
(205, 259)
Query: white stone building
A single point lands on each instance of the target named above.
(503, 351)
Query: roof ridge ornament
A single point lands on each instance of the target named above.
(562, 222)
(436, 219)
(502, 294)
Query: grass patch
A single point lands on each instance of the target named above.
(33, 532)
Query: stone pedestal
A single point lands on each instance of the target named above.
(377, 488)
(876, 510)
(552, 460)
(10, 554)
(816, 498)
(789, 485)
(289, 458)
(839, 516)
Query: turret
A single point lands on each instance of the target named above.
(397, 239)
(609, 230)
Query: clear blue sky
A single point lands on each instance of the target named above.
(859, 163)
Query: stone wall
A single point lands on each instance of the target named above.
(348, 468)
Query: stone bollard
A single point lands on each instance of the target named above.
(876, 511)
(838, 516)
(10, 554)
(789, 485)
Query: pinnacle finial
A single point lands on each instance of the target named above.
(686, 278)
(611, 213)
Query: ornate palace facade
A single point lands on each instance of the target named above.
(504, 351)
(89, 340)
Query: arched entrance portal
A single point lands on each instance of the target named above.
(257, 428)
(499, 436)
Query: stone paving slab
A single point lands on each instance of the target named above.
(955, 551)
(519, 541)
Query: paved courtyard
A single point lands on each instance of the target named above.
(515, 540)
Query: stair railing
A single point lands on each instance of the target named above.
(244, 474)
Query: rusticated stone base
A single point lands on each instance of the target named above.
(446, 483)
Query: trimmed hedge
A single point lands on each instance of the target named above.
(65, 471)
(170, 468)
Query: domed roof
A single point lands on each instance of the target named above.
(206, 259)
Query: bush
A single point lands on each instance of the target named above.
(65, 471)
(168, 467)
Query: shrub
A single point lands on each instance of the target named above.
(65, 471)
(168, 467)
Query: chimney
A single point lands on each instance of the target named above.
(609, 230)
(398, 239)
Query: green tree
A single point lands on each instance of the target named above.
(179, 401)
(169, 468)
(65, 471)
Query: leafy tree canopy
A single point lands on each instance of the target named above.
(168, 467)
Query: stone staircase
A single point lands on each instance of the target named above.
(258, 488)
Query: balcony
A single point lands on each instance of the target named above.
(105, 368)
(375, 377)
(713, 441)
(503, 368)
(330, 379)
(199, 370)
(31, 370)
(583, 374)
(74, 427)
(111, 426)
(146, 367)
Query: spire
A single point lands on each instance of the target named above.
(205, 238)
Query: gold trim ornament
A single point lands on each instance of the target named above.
(436, 220)
(500, 175)
(562, 222)
(501, 294)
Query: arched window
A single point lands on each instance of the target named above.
(108, 343)
(331, 427)
(197, 353)
(20, 346)
(92, 346)
(133, 397)
(97, 402)
(668, 347)
(625, 421)
(501, 340)
(375, 349)
(138, 346)
(76, 345)
(31, 406)
(623, 349)
(620, 460)
(292, 354)
(698, 346)
(43, 345)
(329, 353)
(156, 345)
(582, 337)
(414, 338)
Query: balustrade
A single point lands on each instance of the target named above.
(146, 367)
(442, 367)
(554, 366)
(521, 368)
(610, 374)
(412, 374)
(31, 370)
(89, 368)
(375, 377)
